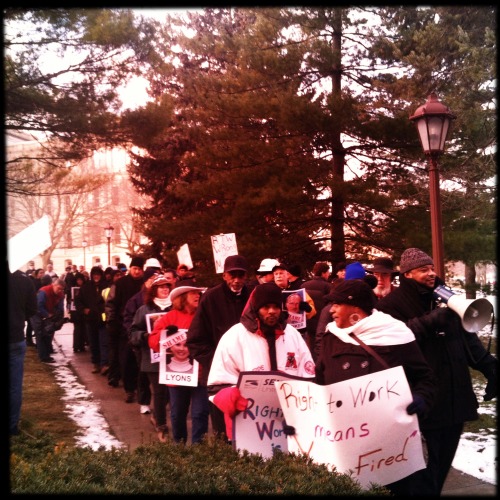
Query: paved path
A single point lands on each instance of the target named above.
(134, 429)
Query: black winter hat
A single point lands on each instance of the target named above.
(96, 270)
(150, 271)
(137, 261)
(355, 292)
(266, 293)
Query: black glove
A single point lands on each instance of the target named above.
(491, 386)
(171, 329)
(288, 430)
(305, 307)
(441, 317)
(418, 406)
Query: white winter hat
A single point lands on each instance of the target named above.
(267, 265)
(152, 263)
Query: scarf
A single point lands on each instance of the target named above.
(378, 329)
(162, 303)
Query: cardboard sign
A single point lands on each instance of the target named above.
(359, 426)
(223, 245)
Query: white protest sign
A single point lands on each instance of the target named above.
(259, 429)
(358, 426)
(28, 243)
(184, 256)
(223, 245)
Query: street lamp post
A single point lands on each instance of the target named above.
(433, 123)
(84, 245)
(109, 232)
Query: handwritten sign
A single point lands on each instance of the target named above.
(259, 429)
(188, 375)
(223, 245)
(359, 426)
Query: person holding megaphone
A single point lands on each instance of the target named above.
(450, 350)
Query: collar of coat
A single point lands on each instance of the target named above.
(277, 332)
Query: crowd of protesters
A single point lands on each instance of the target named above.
(242, 324)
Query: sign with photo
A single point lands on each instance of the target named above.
(291, 302)
(150, 323)
(176, 368)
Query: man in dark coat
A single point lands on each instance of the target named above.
(450, 351)
(220, 308)
(122, 362)
(22, 305)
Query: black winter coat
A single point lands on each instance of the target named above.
(219, 310)
(339, 361)
(90, 297)
(449, 349)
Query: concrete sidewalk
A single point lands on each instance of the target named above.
(133, 429)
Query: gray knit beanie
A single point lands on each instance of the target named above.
(412, 258)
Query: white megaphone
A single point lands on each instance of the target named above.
(475, 314)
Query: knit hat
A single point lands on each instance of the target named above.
(354, 271)
(159, 279)
(266, 293)
(137, 262)
(235, 263)
(412, 258)
(354, 292)
(150, 271)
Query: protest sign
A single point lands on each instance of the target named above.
(28, 243)
(173, 371)
(359, 425)
(184, 256)
(259, 429)
(291, 304)
(150, 323)
(223, 245)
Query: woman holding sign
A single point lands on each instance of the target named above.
(185, 300)
(156, 302)
(362, 340)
